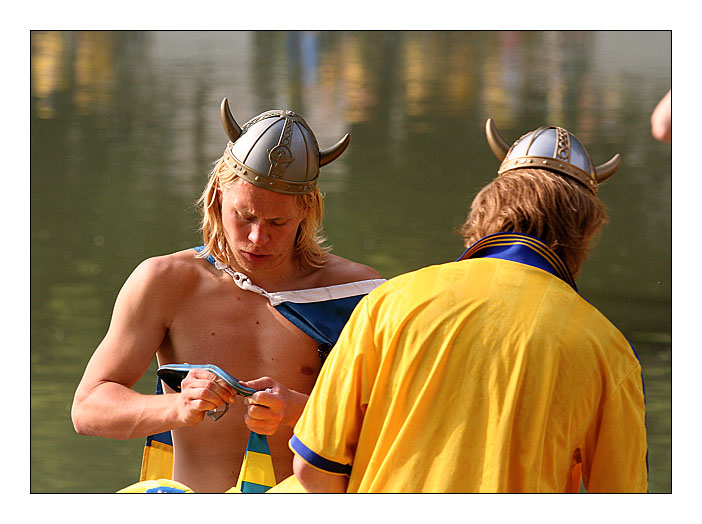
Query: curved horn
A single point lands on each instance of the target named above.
(230, 126)
(497, 144)
(334, 152)
(607, 169)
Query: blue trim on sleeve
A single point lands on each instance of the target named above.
(315, 460)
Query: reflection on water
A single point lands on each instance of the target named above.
(125, 128)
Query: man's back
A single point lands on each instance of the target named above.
(487, 375)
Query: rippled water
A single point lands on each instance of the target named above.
(125, 126)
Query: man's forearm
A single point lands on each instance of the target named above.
(112, 410)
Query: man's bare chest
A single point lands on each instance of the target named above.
(243, 334)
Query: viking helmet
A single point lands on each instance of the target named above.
(276, 150)
(551, 148)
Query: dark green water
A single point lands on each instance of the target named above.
(125, 126)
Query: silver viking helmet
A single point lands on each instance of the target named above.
(276, 150)
(551, 148)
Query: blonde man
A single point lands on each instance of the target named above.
(491, 373)
(238, 303)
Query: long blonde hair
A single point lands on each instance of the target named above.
(309, 242)
(560, 212)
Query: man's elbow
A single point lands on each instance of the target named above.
(80, 421)
(316, 481)
(84, 419)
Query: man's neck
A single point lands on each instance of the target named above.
(283, 277)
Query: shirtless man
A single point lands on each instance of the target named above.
(262, 216)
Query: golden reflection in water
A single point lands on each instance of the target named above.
(585, 121)
(47, 58)
(493, 96)
(415, 74)
(358, 93)
(459, 77)
(81, 61)
(505, 74)
(554, 63)
(94, 70)
(327, 78)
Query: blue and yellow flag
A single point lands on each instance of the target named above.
(256, 475)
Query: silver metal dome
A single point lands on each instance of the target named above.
(551, 148)
(276, 150)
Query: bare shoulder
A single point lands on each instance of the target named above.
(172, 271)
(338, 270)
(171, 259)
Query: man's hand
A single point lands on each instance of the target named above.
(272, 406)
(201, 391)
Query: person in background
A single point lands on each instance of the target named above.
(662, 119)
(491, 373)
(236, 303)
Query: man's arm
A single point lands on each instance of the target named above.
(661, 120)
(104, 404)
(617, 448)
(317, 481)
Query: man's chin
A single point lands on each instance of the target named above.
(253, 264)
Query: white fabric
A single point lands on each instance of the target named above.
(301, 296)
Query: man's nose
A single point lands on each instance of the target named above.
(258, 234)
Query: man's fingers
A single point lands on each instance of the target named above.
(202, 379)
(262, 426)
(199, 404)
(259, 383)
(258, 412)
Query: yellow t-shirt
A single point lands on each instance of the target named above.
(484, 375)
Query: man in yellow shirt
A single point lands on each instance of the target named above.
(491, 373)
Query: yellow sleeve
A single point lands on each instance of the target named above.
(326, 434)
(616, 457)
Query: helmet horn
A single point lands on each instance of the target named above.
(496, 142)
(607, 169)
(334, 152)
(230, 126)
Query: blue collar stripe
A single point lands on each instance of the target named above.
(520, 248)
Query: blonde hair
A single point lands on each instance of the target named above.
(555, 209)
(309, 241)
